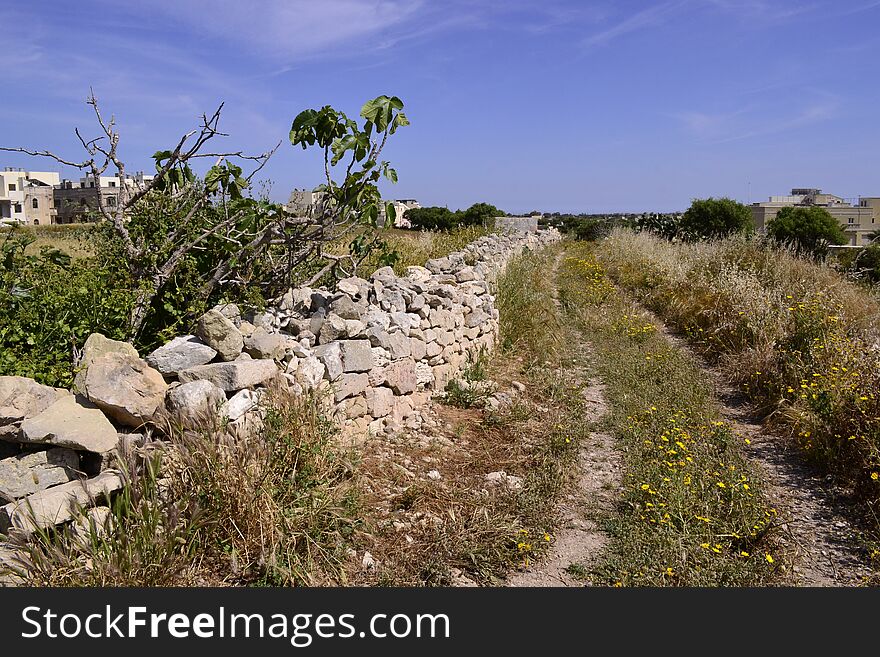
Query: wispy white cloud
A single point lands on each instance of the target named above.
(760, 119)
(638, 21)
(762, 12)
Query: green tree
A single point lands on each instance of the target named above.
(480, 214)
(714, 218)
(431, 218)
(810, 230)
(867, 263)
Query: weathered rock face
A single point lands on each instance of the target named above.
(31, 472)
(262, 344)
(72, 421)
(400, 376)
(195, 398)
(179, 354)
(356, 355)
(98, 345)
(349, 385)
(232, 376)
(22, 398)
(220, 334)
(125, 388)
(57, 505)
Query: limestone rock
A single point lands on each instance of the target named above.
(399, 345)
(310, 372)
(356, 355)
(97, 345)
(31, 472)
(239, 404)
(181, 353)
(195, 398)
(72, 421)
(333, 328)
(59, 504)
(379, 401)
(125, 388)
(22, 398)
(331, 355)
(262, 344)
(232, 376)
(400, 376)
(218, 332)
(349, 385)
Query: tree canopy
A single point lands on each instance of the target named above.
(439, 218)
(715, 218)
(810, 230)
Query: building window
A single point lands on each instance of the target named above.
(91, 183)
(851, 220)
(112, 183)
(18, 207)
(36, 204)
(111, 201)
(82, 185)
(12, 187)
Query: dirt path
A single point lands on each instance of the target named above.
(817, 530)
(594, 490)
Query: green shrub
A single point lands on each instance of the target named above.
(808, 230)
(714, 218)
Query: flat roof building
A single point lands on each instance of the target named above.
(857, 220)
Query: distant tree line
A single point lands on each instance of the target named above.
(440, 218)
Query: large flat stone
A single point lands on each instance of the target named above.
(181, 353)
(356, 355)
(22, 398)
(59, 504)
(349, 385)
(400, 376)
(31, 472)
(125, 388)
(72, 421)
(232, 376)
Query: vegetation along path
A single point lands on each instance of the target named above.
(594, 481)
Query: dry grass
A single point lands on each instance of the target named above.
(798, 338)
(692, 512)
(425, 531)
(276, 509)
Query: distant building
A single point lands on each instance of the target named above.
(303, 203)
(26, 197)
(400, 208)
(77, 201)
(857, 220)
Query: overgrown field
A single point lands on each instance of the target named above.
(800, 340)
(692, 513)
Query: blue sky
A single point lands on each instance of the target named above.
(554, 105)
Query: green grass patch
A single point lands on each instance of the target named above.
(692, 513)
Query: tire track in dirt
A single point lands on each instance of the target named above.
(594, 490)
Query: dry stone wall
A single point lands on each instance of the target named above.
(379, 347)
